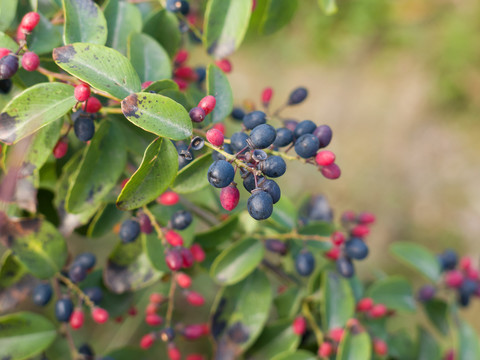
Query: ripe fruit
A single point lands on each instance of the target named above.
(304, 263)
(332, 172)
(42, 294)
(299, 325)
(197, 252)
(195, 299)
(156, 298)
(336, 334)
(92, 105)
(225, 65)
(173, 352)
(99, 315)
(426, 293)
(181, 219)
(284, 137)
(237, 114)
(260, 205)
(304, 127)
(324, 158)
(129, 231)
(84, 128)
(153, 320)
(60, 149)
(380, 347)
(195, 357)
(454, 278)
(366, 218)
(8, 66)
(345, 267)
(30, 61)
(364, 304)
(86, 259)
(238, 141)
(253, 119)
(356, 248)
(249, 181)
(187, 258)
(263, 136)
(197, 114)
(147, 341)
(267, 94)
(207, 104)
(94, 293)
(448, 260)
(168, 198)
(174, 260)
(272, 188)
(220, 173)
(215, 137)
(229, 197)
(274, 166)
(63, 310)
(29, 21)
(324, 135)
(173, 238)
(220, 127)
(378, 311)
(306, 146)
(77, 272)
(87, 351)
(77, 318)
(276, 246)
(4, 52)
(167, 334)
(183, 280)
(82, 92)
(325, 350)
(145, 224)
(180, 57)
(297, 96)
(334, 253)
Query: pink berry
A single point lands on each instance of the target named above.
(378, 311)
(20, 34)
(229, 197)
(146, 84)
(151, 309)
(4, 52)
(220, 127)
(331, 171)
(349, 216)
(195, 299)
(380, 347)
(337, 238)
(473, 274)
(465, 263)
(99, 315)
(173, 352)
(60, 149)
(153, 319)
(182, 84)
(360, 231)
(187, 258)
(156, 298)
(92, 105)
(183, 280)
(174, 238)
(207, 104)
(185, 73)
(267, 96)
(366, 218)
(324, 158)
(334, 253)
(336, 334)
(168, 198)
(299, 325)
(30, 61)
(364, 304)
(82, 92)
(225, 65)
(132, 311)
(325, 349)
(174, 260)
(30, 21)
(76, 319)
(194, 331)
(181, 57)
(454, 279)
(147, 341)
(215, 137)
(198, 253)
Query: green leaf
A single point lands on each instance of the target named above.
(6, 41)
(277, 14)
(155, 251)
(8, 9)
(103, 68)
(400, 344)
(105, 220)
(158, 114)
(328, 6)
(149, 58)
(45, 37)
(468, 342)
(123, 19)
(244, 305)
(24, 334)
(217, 234)
(288, 303)
(395, 292)
(297, 355)
(275, 340)
(160, 85)
(127, 353)
(33, 109)
(284, 213)
(417, 257)
(428, 348)
(320, 228)
(155, 174)
(355, 347)
(102, 165)
(338, 304)
(40, 247)
(218, 86)
(84, 22)
(237, 261)
(163, 27)
(226, 22)
(437, 312)
(193, 177)
(11, 270)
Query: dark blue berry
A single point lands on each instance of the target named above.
(426, 293)
(201, 73)
(345, 267)
(217, 156)
(304, 263)
(297, 96)
(249, 182)
(197, 114)
(284, 137)
(129, 231)
(239, 141)
(468, 287)
(77, 272)
(306, 146)
(167, 334)
(356, 248)
(182, 160)
(274, 166)
(272, 188)
(263, 136)
(319, 209)
(94, 293)
(42, 294)
(253, 119)
(84, 128)
(238, 114)
(87, 259)
(5, 86)
(276, 246)
(290, 124)
(220, 173)
(304, 127)
(63, 310)
(181, 219)
(463, 299)
(259, 155)
(448, 260)
(260, 205)
(8, 66)
(86, 351)
(181, 6)
(324, 135)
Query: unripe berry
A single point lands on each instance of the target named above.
(153, 319)
(147, 341)
(82, 92)
(465, 263)
(267, 96)
(337, 238)
(186, 73)
(156, 298)
(378, 311)
(4, 52)
(99, 315)
(324, 135)
(207, 104)
(30, 21)
(225, 65)
(21, 35)
(194, 331)
(331, 171)
(132, 311)
(336, 334)
(92, 105)
(220, 127)
(174, 260)
(325, 350)
(299, 325)
(187, 258)
(215, 137)
(30, 61)
(454, 279)
(182, 84)
(364, 304)
(168, 198)
(173, 352)
(360, 231)
(324, 158)
(197, 252)
(366, 218)
(60, 149)
(334, 253)
(77, 318)
(180, 57)
(229, 197)
(173, 238)
(380, 347)
(183, 280)
(195, 299)
(151, 309)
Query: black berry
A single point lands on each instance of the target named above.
(249, 182)
(182, 160)
(180, 6)
(304, 127)
(356, 248)
(319, 209)
(272, 188)
(274, 166)
(84, 128)
(297, 96)
(87, 259)
(345, 267)
(77, 272)
(238, 114)
(86, 351)
(129, 231)
(221, 173)
(306, 146)
(253, 119)
(304, 263)
(42, 294)
(63, 310)
(8, 66)
(5, 86)
(181, 219)
(276, 246)
(260, 205)
(238, 141)
(448, 260)
(324, 135)
(201, 74)
(94, 293)
(263, 136)
(284, 137)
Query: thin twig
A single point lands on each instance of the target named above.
(73, 287)
(313, 324)
(155, 224)
(171, 300)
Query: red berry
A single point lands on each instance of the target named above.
(454, 279)
(465, 263)
(215, 137)
(207, 104)
(153, 319)
(181, 57)
(220, 127)
(151, 308)
(145, 224)
(132, 311)
(174, 260)
(60, 149)
(334, 253)
(195, 299)
(183, 280)
(174, 238)
(348, 216)
(473, 274)
(82, 92)
(364, 304)
(185, 73)
(449, 355)
(168, 198)
(146, 84)
(147, 341)
(195, 357)
(20, 34)
(378, 311)
(225, 65)
(182, 84)
(229, 197)
(331, 171)
(366, 218)
(187, 258)
(299, 325)
(380, 347)
(76, 319)
(173, 352)
(30, 21)
(324, 158)
(4, 52)
(336, 334)
(193, 332)
(99, 315)
(267, 96)
(92, 105)
(337, 238)
(30, 61)
(325, 349)
(197, 252)
(360, 231)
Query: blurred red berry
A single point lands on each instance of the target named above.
(77, 319)
(337, 238)
(195, 299)
(360, 231)
(195, 357)
(336, 334)
(364, 304)
(225, 65)
(151, 308)
(132, 311)
(146, 84)
(180, 57)
(4, 52)
(194, 331)
(267, 94)
(147, 341)
(187, 258)
(454, 278)
(185, 73)
(378, 311)
(99, 315)
(465, 263)
(299, 325)
(182, 84)
(174, 260)
(173, 352)
(183, 280)
(220, 127)
(145, 223)
(325, 349)
(153, 319)
(366, 218)
(380, 347)
(60, 149)
(173, 238)
(168, 198)
(29, 21)
(334, 253)
(207, 104)
(198, 253)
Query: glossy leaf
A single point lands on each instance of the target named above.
(123, 19)
(428, 348)
(7, 42)
(11, 270)
(437, 312)
(237, 261)
(218, 86)
(297, 355)
(288, 303)
(400, 344)
(328, 6)
(193, 177)
(24, 334)
(158, 114)
(395, 292)
(468, 344)
(149, 58)
(217, 234)
(417, 257)
(33, 109)
(127, 353)
(161, 85)
(102, 67)
(339, 304)
(155, 174)
(355, 347)
(155, 251)
(84, 22)
(102, 165)
(226, 22)
(163, 26)
(277, 14)
(8, 9)
(45, 37)
(105, 220)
